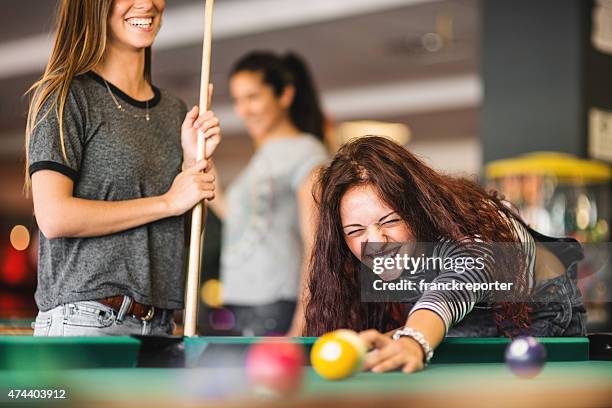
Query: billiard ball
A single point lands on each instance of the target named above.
(525, 357)
(338, 354)
(275, 367)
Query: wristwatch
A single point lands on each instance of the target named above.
(419, 338)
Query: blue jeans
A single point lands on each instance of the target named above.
(89, 318)
(557, 308)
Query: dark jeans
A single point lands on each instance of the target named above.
(271, 319)
(556, 305)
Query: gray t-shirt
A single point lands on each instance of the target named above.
(113, 156)
(261, 257)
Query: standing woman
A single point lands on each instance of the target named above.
(268, 213)
(111, 165)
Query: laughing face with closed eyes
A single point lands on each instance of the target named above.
(367, 219)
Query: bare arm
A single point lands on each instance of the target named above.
(307, 213)
(60, 214)
(218, 204)
(428, 323)
(405, 353)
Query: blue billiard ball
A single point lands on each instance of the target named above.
(525, 357)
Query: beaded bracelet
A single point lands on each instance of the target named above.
(419, 338)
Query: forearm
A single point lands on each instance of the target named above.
(76, 217)
(407, 352)
(297, 324)
(308, 218)
(217, 204)
(428, 323)
(299, 320)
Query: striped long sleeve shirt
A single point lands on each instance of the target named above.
(453, 305)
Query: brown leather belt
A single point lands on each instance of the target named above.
(138, 310)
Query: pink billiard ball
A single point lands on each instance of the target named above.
(275, 367)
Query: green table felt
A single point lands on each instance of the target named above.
(27, 352)
(465, 372)
(451, 350)
(229, 384)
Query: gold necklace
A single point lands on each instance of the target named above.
(122, 109)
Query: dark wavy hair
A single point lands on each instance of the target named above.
(434, 205)
(280, 72)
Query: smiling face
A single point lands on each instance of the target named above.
(134, 23)
(256, 103)
(367, 219)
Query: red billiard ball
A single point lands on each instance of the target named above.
(525, 357)
(275, 367)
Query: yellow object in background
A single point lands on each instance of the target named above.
(20, 237)
(212, 293)
(564, 167)
(556, 194)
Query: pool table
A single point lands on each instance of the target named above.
(209, 371)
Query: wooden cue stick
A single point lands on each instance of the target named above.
(198, 216)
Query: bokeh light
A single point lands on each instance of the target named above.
(222, 319)
(432, 42)
(583, 211)
(211, 293)
(14, 266)
(20, 237)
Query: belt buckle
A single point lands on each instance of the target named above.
(149, 315)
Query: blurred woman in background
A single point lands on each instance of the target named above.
(268, 209)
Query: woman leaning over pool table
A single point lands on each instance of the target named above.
(376, 191)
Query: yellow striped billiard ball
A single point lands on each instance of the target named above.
(338, 354)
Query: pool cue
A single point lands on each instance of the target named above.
(198, 216)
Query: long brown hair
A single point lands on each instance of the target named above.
(435, 206)
(80, 42)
